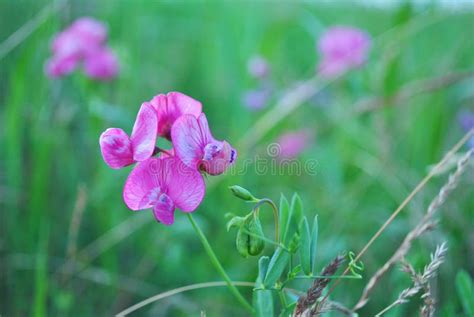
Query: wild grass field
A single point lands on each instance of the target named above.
(69, 246)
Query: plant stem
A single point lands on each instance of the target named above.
(218, 264)
(275, 215)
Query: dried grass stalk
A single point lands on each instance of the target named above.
(420, 281)
(306, 302)
(424, 225)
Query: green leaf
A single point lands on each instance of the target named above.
(235, 222)
(288, 310)
(284, 216)
(262, 269)
(314, 243)
(305, 247)
(295, 218)
(263, 303)
(276, 267)
(262, 299)
(465, 292)
(294, 272)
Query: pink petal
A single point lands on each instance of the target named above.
(116, 148)
(91, 32)
(144, 133)
(188, 140)
(185, 104)
(164, 210)
(101, 64)
(60, 66)
(205, 131)
(185, 185)
(217, 163)
(143, 181)
(172, 106)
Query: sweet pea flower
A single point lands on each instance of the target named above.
(120, 150)
(194, 144)
(60, 66)
(164, 184)
(292, 144)
(83, 41)
(101, 64)
(342, 48)
(170, 107)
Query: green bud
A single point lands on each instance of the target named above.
(242, 193)
(249, 244)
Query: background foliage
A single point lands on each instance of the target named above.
(51, 168)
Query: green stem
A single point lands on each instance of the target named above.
(218, 264)
(275, 215)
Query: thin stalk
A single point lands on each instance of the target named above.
(275, 215)
(218, 264)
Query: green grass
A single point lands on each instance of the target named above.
(366, 165)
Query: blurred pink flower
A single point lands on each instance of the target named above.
(194, 144)
(342, 48)
(292, 144)
(83, 41)
(119, 150)
(60, 66)
(101, 64)
(258, 67)
(164, 184)
(170, 107)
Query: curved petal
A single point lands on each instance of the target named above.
(144, 181)
(144, 133)
(164, 210)
(188, 141)
(185, 186)
(116, 148)
(185, 104)
(218, 157)
(172, 106)
(205, 131)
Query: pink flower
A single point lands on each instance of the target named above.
(101, 64)
(291, 144)
(342, 48)
(172, 106)
(164, 184)
(194, 144)
(83, 36)
(90, 32)
(119, 150)
(83, 41)
(60, 66)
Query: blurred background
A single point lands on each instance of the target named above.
(70, 247)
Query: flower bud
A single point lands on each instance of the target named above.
(247, 241)
(242, 193)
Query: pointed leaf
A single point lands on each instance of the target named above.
(295, 218)
(305, 247)
(263, 303)
(288, 310)
(235, 222)
(276, 267)
(465, 290)
(284, 216)
(262, 269)
(262, 299)
(314, 243)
